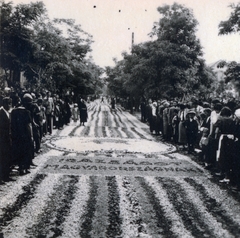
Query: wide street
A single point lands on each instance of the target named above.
(112, 178)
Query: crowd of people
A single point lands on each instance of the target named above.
(26, 118)
(213, 128)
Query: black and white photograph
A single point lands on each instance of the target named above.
(119, 119)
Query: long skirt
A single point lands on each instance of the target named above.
(165, 127)
(225, 153)
(182, 137)
(83, 115)
(23, 153)
(5, 159)
(235, 178)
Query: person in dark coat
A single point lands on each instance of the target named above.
(149, 116)
(143, 110)
(191, 131)
(35, 116)
(22, 135)
(83, 112)
(113, 104)
(67, 111)
(59, 113)
(5, 140)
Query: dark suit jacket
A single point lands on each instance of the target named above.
(4, 128)
(21, 125)
(5, 144)
(22, 135)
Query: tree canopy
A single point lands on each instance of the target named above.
(231, 25)
(51, 53)
(169, 66)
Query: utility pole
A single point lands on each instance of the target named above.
(132, 39)
(131, 98)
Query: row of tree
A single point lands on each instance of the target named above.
(168, 66)
(52, 54)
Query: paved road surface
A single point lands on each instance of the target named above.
(112, 178)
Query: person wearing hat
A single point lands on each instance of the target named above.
(22, 135)
(5, 140)
(191, 130)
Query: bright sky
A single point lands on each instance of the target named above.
(111, 22)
